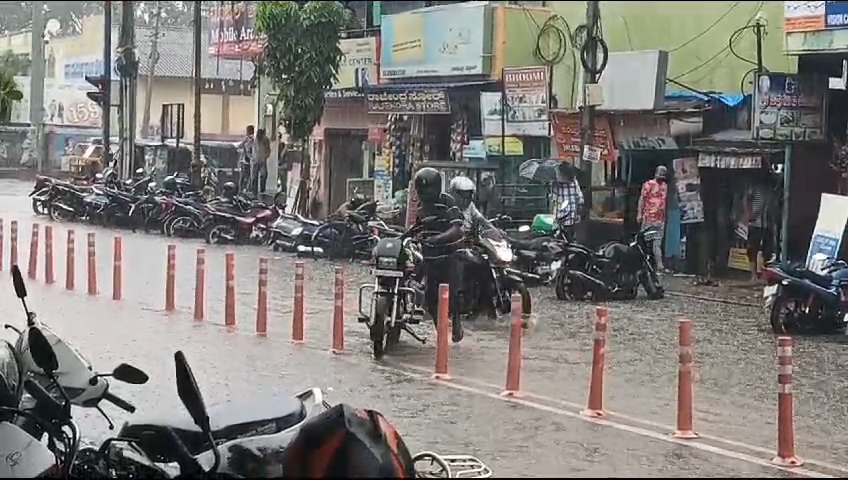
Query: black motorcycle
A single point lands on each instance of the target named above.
(351, 237)
(800, 300)
(614, 272)
(395, 295)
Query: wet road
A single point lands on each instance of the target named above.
(735, 380)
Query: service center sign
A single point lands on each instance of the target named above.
(836, 14)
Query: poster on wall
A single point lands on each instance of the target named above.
(789, 107)
(827, 236)
(526, 91)
(64, 104)
(688, 184)
(490, 113)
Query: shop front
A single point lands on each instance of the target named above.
(343, 143)
(434, 62)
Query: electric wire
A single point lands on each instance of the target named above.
(557, 30)
(712, 25)
(734, 37)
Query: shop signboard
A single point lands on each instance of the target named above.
(566, 128)
(447, 40)
(357, 68)
(814, 16)
(688, 183)
(830, 225)
(490, 113)
(526, 91)
(232, 31)
(409, 102)
(789, 107)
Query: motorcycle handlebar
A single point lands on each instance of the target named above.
(119, 402)
(36, 391)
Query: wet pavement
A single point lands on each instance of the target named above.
(735, 371)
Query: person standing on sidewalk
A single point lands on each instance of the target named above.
(247, 148)
(651, 212)
(259, 170)
(759, 233)
(570, 203)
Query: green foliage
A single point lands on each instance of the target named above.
(9, 94)
(301, 57)
(13, 64)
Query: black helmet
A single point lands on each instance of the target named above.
(357, 200)
(169, 183)
(428, 184)
(229, 190)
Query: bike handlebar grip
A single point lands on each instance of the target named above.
(119, 402)
(41, 396)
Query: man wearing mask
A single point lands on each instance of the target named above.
(651, 211)
(440, 222)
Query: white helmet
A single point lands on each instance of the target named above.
(462, 184)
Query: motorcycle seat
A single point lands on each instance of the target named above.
(531, 244)
(229, 420)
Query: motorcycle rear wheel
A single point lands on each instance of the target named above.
(781, 322)
(179, 226)
(59, 214)
(217, 234)
(378, 327)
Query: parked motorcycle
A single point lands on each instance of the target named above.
(287, 232)
(354, 236)
(396, 294)
(231, 223)
(615, 271)
(800, 300)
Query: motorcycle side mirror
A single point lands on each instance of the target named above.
(189, 392)
(18, 282)
(128, 374)
(524, 228)
(41, 351)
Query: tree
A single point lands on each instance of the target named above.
(9, 94)
(301, 59)
(14, 64)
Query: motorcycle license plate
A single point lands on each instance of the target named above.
(769, 291)
(386, 273)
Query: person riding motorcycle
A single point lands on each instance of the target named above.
(439, 220)
(462, 189)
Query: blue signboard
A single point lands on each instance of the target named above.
(827, 245)
(836, 14)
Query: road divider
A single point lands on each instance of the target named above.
(513, 363)
(49, 279)
(442, 329)
(230, 292)
(117, 267)
(297, 311)
(785, 409)
(595, 405)
(338, 312)
(685, 407)
(92, 264)
(2, 243)
(13, 243)
(200, 285)
(170, 278)
(69, 262)
(32, 270)
(262, 298)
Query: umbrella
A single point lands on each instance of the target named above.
(545, 170)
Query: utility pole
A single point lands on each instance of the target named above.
(590, 46)
(36, 80)
(151, 71)
(198, 78)
(106, 118)
(758, 30)
(128, 67)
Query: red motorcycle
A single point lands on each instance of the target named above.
(230, 224)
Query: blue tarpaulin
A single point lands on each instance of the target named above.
(729, 99)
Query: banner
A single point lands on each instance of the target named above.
(830, 225)
(490, 113)
(688, 184)
(232, 31)
(566, 127)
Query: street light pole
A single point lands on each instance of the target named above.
(36, 81)
(198, 78)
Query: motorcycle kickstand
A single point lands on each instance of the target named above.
(414, 335)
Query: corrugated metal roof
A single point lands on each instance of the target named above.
(176, 55)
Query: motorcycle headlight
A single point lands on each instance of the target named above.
(386, 262)
(297, 231)
(504, 254)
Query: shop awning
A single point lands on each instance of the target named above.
(424, 86)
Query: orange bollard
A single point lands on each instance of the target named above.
(595, 408)
(69, 262)
(49, 279)
(262, 298)
(117, 267)
(170, 278)
(513, 364)
(442, 332)
(230, 295)
(200, 285)
(685, 408)
(13, 243)
(297, 314)
(338, 313)
(785, 417)
(33, 252)
(1, 244)
(92, 266)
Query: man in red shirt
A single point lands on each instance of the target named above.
(651, 212)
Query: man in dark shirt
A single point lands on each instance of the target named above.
(440, 222)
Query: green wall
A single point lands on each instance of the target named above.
(668, 25)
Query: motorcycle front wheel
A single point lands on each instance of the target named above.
(379, 341)
(38, 207)
(59, 214)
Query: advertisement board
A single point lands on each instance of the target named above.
(445, 40)
(232, 31)
(789, 107)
